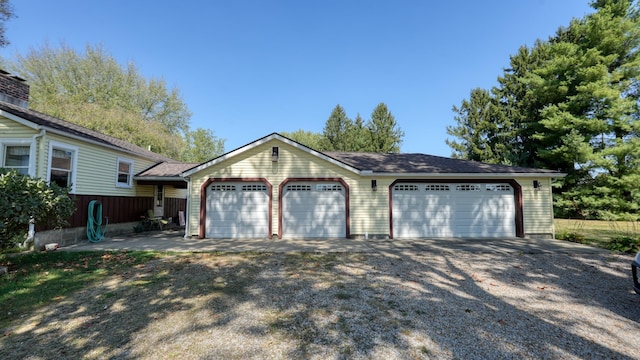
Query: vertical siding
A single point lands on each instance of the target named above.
(172, 206)
(117, 209)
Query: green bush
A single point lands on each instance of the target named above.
(571, 236)
(624, 244)
(23, 198)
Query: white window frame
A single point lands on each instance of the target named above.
(20, 142)
(129, 183)
(74, 161)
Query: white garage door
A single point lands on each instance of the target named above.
(237, 210)
(453, 210)
(313, 210)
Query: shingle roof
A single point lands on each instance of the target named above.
(422, 163)
(166, 169)
(54, 123)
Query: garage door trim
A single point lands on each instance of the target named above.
(517, 192)
(203, 200)
(346, 199)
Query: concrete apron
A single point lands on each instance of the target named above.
(175, 241)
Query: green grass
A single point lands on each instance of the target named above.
(598, 233)
(39, 278)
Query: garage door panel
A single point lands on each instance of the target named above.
(454, 209)
(237, 210)
(314, 210)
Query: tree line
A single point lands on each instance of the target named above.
(93, 90)
(381, 133)
(569, 103)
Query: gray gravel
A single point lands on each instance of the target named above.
(347, 306)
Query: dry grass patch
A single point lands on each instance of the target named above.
(319, 306)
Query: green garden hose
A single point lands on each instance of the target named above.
(95, 230)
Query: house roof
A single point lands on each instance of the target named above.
(60, 126)
(391, 164)
(422, 163)
(165, 170)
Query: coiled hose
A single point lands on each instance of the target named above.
(95, 230)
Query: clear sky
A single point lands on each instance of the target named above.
(249, 68)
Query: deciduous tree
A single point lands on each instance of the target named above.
(93, 90)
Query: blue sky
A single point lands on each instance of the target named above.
(249, 68)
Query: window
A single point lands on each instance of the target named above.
(223, 188)
(62, 165)
(406, 188)
(298, 187)
(498, 187)
(468, 187)
(124, 177)
(17, 158)
(328, 187)
(437, 187)
(255, 187)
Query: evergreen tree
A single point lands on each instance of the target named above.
(569, 103)
(337, 129)
(384, 132)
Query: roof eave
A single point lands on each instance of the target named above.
(160, 178)
(262, 141)
(49, 129)
(464, 175)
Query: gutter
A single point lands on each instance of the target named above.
(187, 230)
(461, 175)
(113, 147)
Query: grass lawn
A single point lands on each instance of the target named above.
(39, 278)
(596, 232)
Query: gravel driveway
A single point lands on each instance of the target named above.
(384, 305)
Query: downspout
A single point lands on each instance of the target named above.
(33, 152)
(553, 218)
(31, 233)
(187, 232)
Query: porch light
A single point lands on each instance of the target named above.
(536, 185)
(274, 154)
(374, 185)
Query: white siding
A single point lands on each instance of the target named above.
(96, 167)
(537, 207)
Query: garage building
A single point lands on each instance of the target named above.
(275, 187)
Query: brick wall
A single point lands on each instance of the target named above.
(13, 90)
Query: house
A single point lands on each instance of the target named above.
(273, 186)
(93, 165)
(276, 187)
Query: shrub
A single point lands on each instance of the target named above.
(624, 244)
(572, 236)
(23, 198)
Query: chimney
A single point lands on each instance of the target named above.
(13, 89)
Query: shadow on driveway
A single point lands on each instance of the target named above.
(174, 240)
